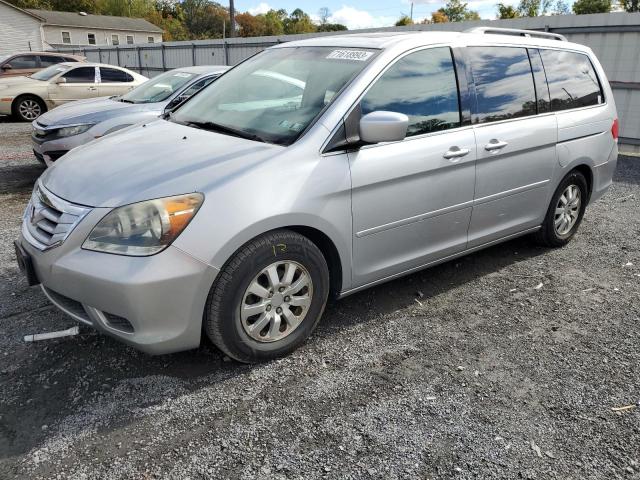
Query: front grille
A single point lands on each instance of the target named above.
(48, 220)
(40, 133)
(38, 156)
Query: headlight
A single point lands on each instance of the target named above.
(143, 228)
(75, 130)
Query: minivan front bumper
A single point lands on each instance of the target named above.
(154, 303)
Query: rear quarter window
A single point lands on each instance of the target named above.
(573, 82)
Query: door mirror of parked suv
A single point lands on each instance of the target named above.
(381, 126)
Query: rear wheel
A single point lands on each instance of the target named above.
(28, 107)
(565, 211)
(268, 298)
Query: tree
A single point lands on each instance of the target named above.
(298, 22)
(403, 21)
(581, 7)
(439, 17)
(251, 25)
(331, 27)
(630, 5)
(88, 6)
(529, 8)
(324, 13)
(274, 22)
(507, 11)
(205, 19)
(457, 11)
(560, 7)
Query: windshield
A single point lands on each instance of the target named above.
(275, 95)
(50, 72)
(159, 88)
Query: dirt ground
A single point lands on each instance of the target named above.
(503, 364)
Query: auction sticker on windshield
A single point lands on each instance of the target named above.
(359, 55)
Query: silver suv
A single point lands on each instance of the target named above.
(316, 168)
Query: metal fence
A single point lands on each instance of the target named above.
(614, 37)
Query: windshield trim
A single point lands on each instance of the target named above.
(375, 53)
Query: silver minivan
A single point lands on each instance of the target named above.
(319, 168)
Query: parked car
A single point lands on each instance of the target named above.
(242, 211)
(29, 97)
(26, 63)
(58, 131)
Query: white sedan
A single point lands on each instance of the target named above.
(29, 97)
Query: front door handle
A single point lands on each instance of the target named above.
(494, 145)
(93, 89)
(455, 153)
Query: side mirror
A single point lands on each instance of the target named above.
(60, 80)
(7, 66)
(381, 126)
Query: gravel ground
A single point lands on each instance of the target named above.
(503, 364)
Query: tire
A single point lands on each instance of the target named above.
(243, 324)
(28, 107)
(551, 235)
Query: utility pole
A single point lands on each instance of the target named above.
(411, 16)
(232, 14)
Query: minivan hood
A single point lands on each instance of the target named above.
(93, 110)
(154, 160)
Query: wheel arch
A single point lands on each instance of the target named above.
(585, 170)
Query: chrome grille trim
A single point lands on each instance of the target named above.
(48, 219)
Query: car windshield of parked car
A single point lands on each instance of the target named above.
(274, 96)
(158, 88)
(50, 72)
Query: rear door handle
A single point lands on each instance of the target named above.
(494, 145)
(456, 152)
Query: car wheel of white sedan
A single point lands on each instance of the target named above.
(28, 108)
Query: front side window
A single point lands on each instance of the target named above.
(421, 85)
(66, 37)
(81, 75)
(274, 96)
(159, 88)
(112, 75)
(504, 83)
(91, 38)
(115, 40)
(572, 80)
(26, 61)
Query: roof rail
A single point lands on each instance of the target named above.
(517, 32)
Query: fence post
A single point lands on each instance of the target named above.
(118, 56)
(139, 60)
(99, 55)
(193, 54)
(226, 52)
(164, 64)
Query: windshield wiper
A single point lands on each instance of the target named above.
(216, 127)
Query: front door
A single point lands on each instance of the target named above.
(412, 200)
(80, 83)
(516, 138)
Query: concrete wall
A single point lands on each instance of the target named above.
(19, 32)
(614, 37)
(53, 36)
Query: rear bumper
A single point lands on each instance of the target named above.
(603, 175)
(154, 304)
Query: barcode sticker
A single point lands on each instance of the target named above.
(357, 55)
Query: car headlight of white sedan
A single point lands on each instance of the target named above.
(143, 228)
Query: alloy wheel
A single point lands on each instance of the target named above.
(567, 210)
(29, 109)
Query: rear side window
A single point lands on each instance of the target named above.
(572, 80)
(48, 60)
(421, 85)
(112, 75)
(504, 83)
(81, 75)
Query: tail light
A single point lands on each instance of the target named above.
(614, 129)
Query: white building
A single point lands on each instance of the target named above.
(27, 29)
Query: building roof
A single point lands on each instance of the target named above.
(105, 22)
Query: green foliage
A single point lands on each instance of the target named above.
(507, 11)
(403, 21)
(581, 7)
(630, 5)
(457, 11)
(331, 27)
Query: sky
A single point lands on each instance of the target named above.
(365, 14)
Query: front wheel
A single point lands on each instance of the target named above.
(268, 297)
(565, 211)
(28, 108)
